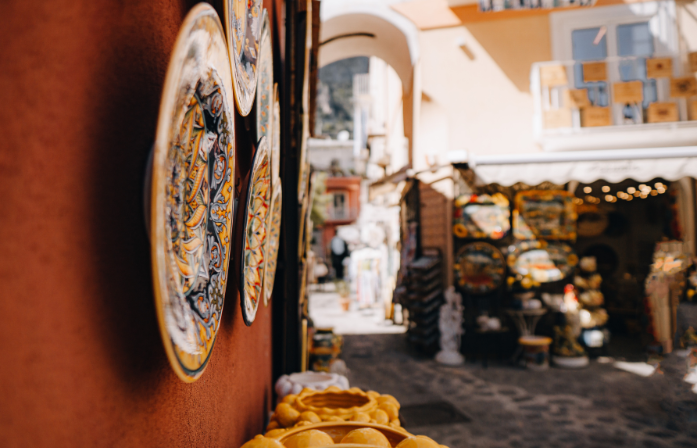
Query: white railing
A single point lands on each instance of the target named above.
(591, 99)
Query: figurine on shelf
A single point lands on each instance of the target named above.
(592, 316)
(450, 325)
(567, 352)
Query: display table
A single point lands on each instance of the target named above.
(526, 320)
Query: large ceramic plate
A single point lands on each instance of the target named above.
(264, 95)
(481, 216)
(276, 140)
(192, 193)
(273, 236)
(243, 26)
(255, 222)
(544, 262)
(479, 268)
(544, 214)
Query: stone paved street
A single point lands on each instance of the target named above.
(599, 406)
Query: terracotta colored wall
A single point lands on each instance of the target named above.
(82, 360)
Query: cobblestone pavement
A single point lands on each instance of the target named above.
(599, 406)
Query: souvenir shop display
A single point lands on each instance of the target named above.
(544, 262)
(566, 350)
(325, 348)
(479, 268)
(592, 221)
(450, 325)
(535, 352)
(481, 216)
(421, 294)
(592, 315)
(544, 214)
(665, 286)
(191, 193)
(243, 29)
(333, 405)
(254, 237)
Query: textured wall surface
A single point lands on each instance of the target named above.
(82, 359)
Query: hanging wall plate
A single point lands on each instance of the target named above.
(192, 193)
(276, 137)
(544, 262)
(544, 214)
(243, 26)
(264, 95)
(254, 237)
(273, 238)
(479, 268)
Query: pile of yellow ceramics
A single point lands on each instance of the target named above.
(358, 438)
(333, 405)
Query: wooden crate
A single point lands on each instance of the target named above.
(576, 98)
(553, 75)
(683, 87)
(594, 71)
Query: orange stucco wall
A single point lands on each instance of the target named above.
(82, 359)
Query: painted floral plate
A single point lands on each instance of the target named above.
(243, 26)
(479, 268)
(264, 95)
(254, 237)
(544, 262)
(191, 193)
(273, 237)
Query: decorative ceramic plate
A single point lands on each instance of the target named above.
(479, 268)
(255, 222)
(276, 140)
(243, 26)
(264, 95)
(544, 214)
(481, 216)
(273, 237)
(192, 193)
(544, 262)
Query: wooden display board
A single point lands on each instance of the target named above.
(683, 87)
(662, 112)
(659, 68)
(576, 98)
(594, 71)
(596, 116)
(557, 118)
(628, 92)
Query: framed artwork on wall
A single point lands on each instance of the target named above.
(191, 193)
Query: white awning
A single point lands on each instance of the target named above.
(613, 166)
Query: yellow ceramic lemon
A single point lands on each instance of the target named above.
(390, 409)
(388, 399)
(309, 416)
(309, 439)
(418, 442)
(275, 433)
(361, 417)
(262, 442)
(286, 415)
(366, 436)
(380, 417)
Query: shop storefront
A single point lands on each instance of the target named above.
(590, 244)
